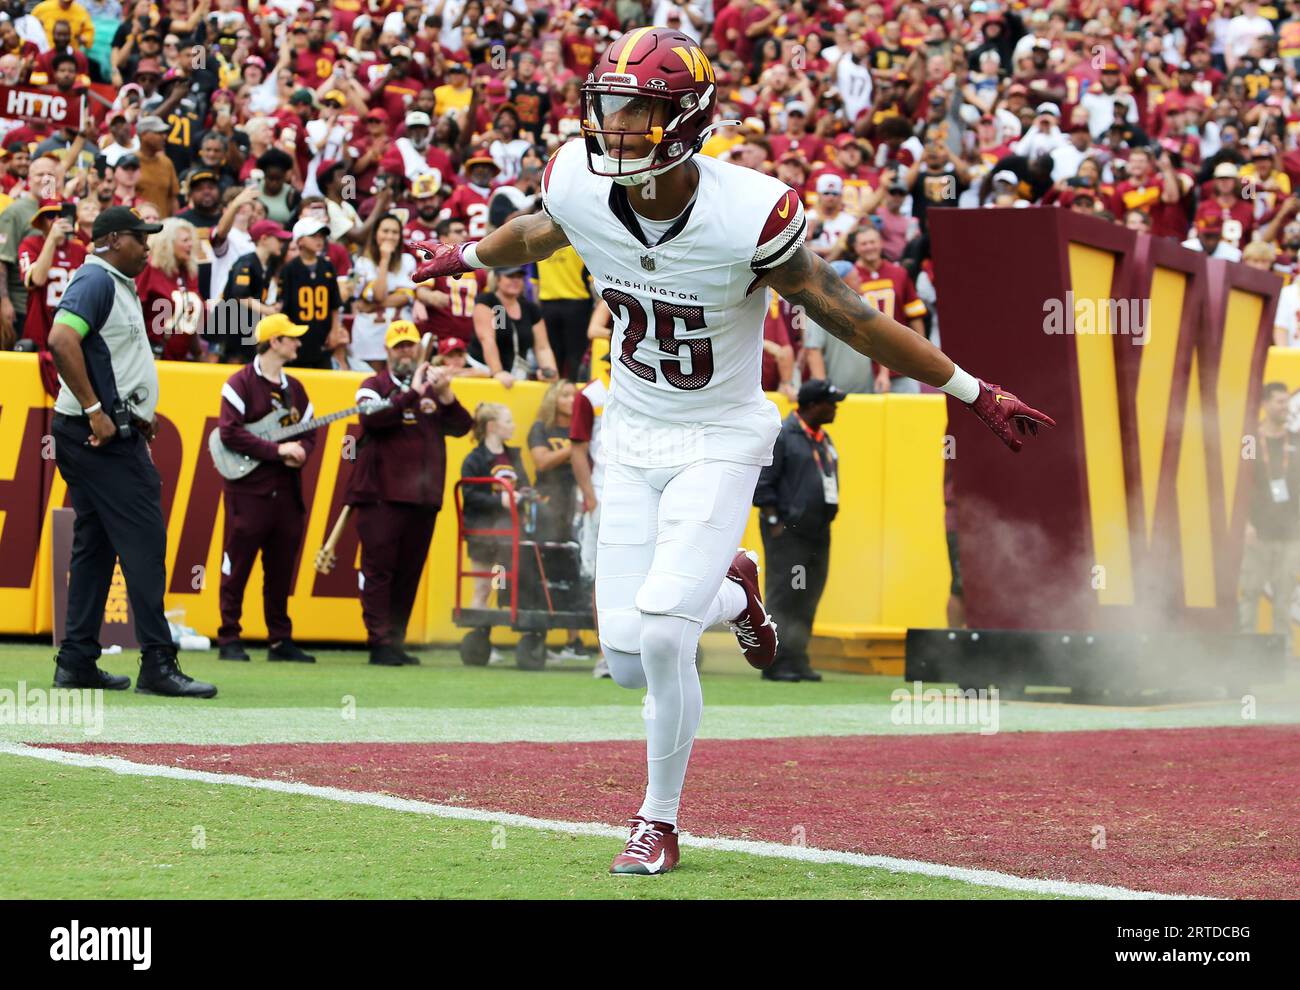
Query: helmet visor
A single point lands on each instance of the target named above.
(632, 112)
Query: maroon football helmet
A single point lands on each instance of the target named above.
(652, 82)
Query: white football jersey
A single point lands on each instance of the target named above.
(687, 343)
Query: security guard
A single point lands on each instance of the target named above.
(397, 485)
(103, 422)
(798, 495)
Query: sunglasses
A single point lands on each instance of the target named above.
(137, 235)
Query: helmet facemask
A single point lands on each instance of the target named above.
(618, 118)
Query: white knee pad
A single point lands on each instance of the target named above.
(620, 629)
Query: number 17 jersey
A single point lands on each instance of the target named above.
(688, 311)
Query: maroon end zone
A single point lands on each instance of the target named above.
(1211, 812)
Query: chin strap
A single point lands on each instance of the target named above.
(699, 141)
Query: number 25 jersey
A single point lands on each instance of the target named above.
(688, 311)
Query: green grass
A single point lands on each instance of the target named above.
(442, 681)
(69, 832)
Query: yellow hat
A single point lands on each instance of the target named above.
(401, 332)
(278, 325)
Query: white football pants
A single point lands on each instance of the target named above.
(667, 537)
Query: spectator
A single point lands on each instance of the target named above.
(798, 497)
(884, 286)
(1209, 238)
(169, 292)
(1286, 324)
(230, 239)
(1236, 217)
(566, 308)
(278, 196)
(488, 506)
(508, 330)
(43, 182)
(158, 181)
(452, 356)
(552, 453)
(47, 259)
(445, 305)
(204, 213)
(829, 223)
(309, 293)
(384, 289)
(253, 285)
(81, 29)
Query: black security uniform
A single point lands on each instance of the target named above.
(797, 496)
(114, 488)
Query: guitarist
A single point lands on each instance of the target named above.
(265, 512)
(397, 485)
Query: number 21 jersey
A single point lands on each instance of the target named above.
(688, 311)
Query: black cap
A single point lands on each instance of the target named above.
(203, 175)
(117, 219)
(128, 161)
(819, 390)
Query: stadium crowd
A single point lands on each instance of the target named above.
(291, 148)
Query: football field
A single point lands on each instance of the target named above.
(342, 780)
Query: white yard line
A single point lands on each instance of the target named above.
(195, 725)
(982, 878)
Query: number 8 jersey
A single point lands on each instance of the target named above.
(688, 312)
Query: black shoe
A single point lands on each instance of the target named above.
(808, 674)
(786, 676)
(386, 656)
(232, 651)
(88, 677)
(161, 674)
(409, 659)
(288, 650)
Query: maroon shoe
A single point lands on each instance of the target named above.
(754, 628)
(651, 849)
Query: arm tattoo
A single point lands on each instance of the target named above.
(541, 236)
(809, 282)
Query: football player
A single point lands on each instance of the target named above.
(680, 246)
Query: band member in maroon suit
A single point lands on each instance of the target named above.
(265, 512)
(397, 484)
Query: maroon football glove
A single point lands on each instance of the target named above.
(999, 409)
(437, 259)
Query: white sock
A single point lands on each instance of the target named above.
(728, 603)
(674, 702)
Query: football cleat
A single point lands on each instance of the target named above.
(754, 628)
(651, 849)
(437, 259)
(998, 409)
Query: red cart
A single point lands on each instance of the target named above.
(542, 585)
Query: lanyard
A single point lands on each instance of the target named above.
(815, 438)
(1286, 455)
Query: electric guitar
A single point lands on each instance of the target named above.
(276, 426)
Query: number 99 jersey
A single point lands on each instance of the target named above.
(688, 312)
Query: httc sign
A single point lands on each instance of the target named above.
(30, 104)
